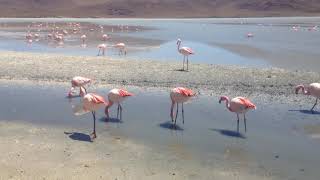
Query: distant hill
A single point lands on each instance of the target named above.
(158, 8)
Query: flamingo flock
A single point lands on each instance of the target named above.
(58, 35)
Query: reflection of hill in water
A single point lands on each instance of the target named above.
(158, 8)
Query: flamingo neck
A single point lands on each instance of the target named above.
(179, 44)
(304, 90)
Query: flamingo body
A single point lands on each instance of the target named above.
(116, 96)
(93, 102)
(312, 89)
(185, 51)
(102, 48)
(179, 95)
(238, 105)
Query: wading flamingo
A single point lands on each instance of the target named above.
(105, 37)
(250, 35)
(313, 89)
(179, 95)
(102, 47)
(121, 47)
(116, 96)
(80, 82)
(83, 38)
(92, 102)
(185, 51)
(238, 105)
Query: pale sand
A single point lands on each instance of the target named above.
(39, 152)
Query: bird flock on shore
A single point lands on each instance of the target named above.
(179, 95)
(91, 102)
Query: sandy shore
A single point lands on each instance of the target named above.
(271, 84)
(28, 151)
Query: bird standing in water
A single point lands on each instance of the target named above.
(238, 105)
(179, 95)
(185, 51)
(313, 89)
(116, 96)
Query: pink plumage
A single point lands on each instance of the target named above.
(116, 96)
(238, 105)
(179, 95)
(80, 82)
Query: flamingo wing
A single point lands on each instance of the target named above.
(247, 103)
(185, 91)
(124, 93)
(187, 49)
(98, 99)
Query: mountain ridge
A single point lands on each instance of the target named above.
(158, 8)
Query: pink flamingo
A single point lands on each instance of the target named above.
(29, 36)
(92, 102)
(116, 96)
(185, 51)
(121, 47)
(102, 47)
(179, 95)
(83, 38)
(80, 82)
(238, 105)
(105, 37)
(313, 89)
(250, 35)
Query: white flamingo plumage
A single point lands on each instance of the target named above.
(312, 89)
(185, 51)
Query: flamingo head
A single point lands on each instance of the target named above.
(297, 88)
(223, 98)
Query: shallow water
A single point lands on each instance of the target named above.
(277, 142)
(275, 43)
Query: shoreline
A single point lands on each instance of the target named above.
(264, 83)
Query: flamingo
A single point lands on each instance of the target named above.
(116, 96)
(102, 47)
(313, 89)
(29, 36)
(105, 37)
(250, 35)
(179, 95)
(92, 102)
(80, 82)
(238, 105)
(83, 38)
(185, 51)
(121, 47)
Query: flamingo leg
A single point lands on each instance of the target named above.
(171, 110)
(118, 108)
(237, 122)
(187, 63)
(99, 52)
(245, 122)
(120, 111)
(314, 106)
(182, 114)
(94, 125)
(184, 57)
(175, 120)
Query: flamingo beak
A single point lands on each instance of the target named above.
(220, 101)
